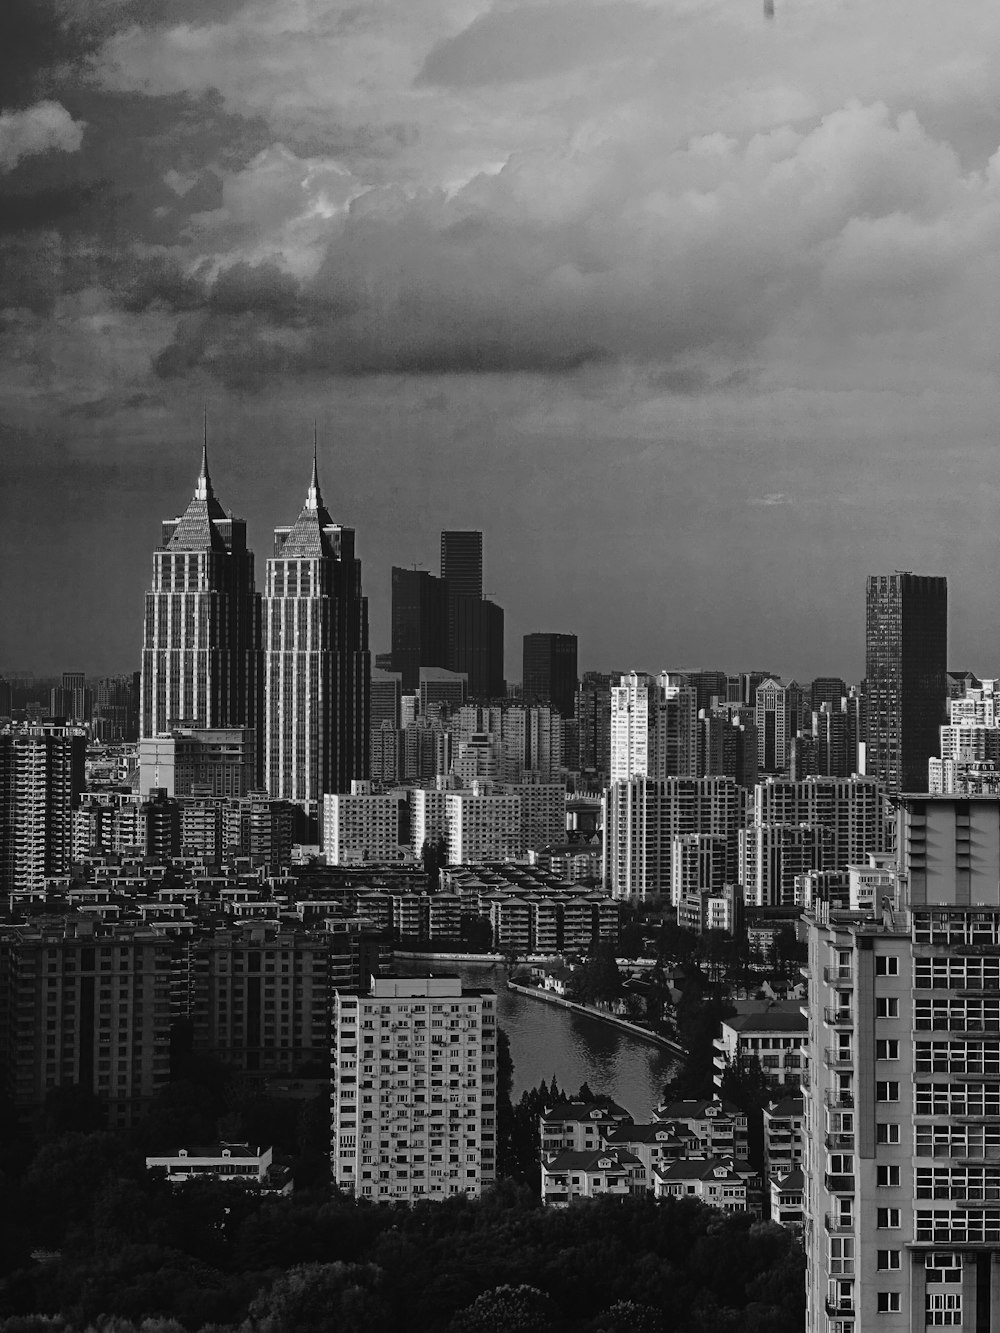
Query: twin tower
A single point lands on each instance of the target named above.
(291, 668)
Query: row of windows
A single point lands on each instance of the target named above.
(959, 1099)
(958, 1182)
(968, 1014)
(957, 973)
(943, 927)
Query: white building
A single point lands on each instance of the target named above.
(361, 827)
(482, 825)
(629, 728)
(414, 1089)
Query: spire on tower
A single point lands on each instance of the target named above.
(204, 487)
(313, 498)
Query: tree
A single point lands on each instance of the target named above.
(507, 1309)
(316, 1298)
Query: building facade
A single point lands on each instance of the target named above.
(414, 1089)
(317, 665)
(549, 671)
(906, 646)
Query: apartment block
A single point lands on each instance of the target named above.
(414, 1089)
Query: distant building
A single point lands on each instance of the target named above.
(778, 717)
(419, 624)
(236, 1162)
(906, 676)
(42, 769)
(549, 671)
(723, 1183)
(588, 1175)
(774, 1038)
(360, 828)
(217, 761)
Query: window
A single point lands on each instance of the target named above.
(887, 1219)
(887, 1175)
(887, 1050)
(886, 1007)
(886, 1132)
(886, 965)
(943, 1309)
(888, 1302)
(886, 1091)
(887, 1261)
(946, 1267)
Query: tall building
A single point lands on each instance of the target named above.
(42, 774)
(86, 1005)
(419, 623)
(903, 1103)
(906, 643)
(549, 671)
(462, 563)
(201, 641)
(654, 727)
(778, 714)
(72, 700)
(476, 645)
(316, 659)
(414, 1107)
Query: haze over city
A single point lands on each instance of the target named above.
(692, 311)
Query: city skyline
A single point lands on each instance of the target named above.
(689, 310)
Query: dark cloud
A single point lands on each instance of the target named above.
(39, 41)
(536, 41)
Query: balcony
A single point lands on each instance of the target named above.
(839, 1101)
(838, 1225)
(838, 1018)
(836, 1057)
(840, 1142)
(839, 1305)
(839, 1184)
(838, 976)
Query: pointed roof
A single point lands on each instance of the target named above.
(308, 539)
(195, 530)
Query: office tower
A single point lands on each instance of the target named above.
(88, 1005)
(778, 716)
(41, 779)
(6, 698)
(201, 642)
(827, 690)
(906, 676)
(414, 1089)
(903, 1103)
(419, 623)
(642, 818)
(316, 660)
(386, 698)
(708, 686)
(549, 671)
(462, 563)
(476, 645)
(72, 700)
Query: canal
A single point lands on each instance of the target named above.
(547, 1040)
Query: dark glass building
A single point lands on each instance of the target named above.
(906, 648)
(419, 624)
(462, 563)
(549, 671)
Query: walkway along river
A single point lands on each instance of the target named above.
(546, 1039)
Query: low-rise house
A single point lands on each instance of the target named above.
(223, 1161)
(787, 1200)
(774, 1037)
(723, 1182)
(654, 1144)
(579, 1126)
(587, 1175)
(718, 1128)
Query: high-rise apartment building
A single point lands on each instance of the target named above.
(42, 774)
(549, 671)
(201, 641)
(86, 1005)
(778, 716)
(72, 700)
(316, 660)
(903, 1099)
(642, 818)
(906, 645)
(414, 1089)
(654, 727)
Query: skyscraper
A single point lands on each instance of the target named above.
(316, 661)
(906, 648)
(549, 671)
(41, 779)
(462, 563)
(419, 623)
(201, 641)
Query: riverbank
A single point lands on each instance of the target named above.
(548, 997)
(487, 959)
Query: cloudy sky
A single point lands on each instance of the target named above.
(693, 311)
